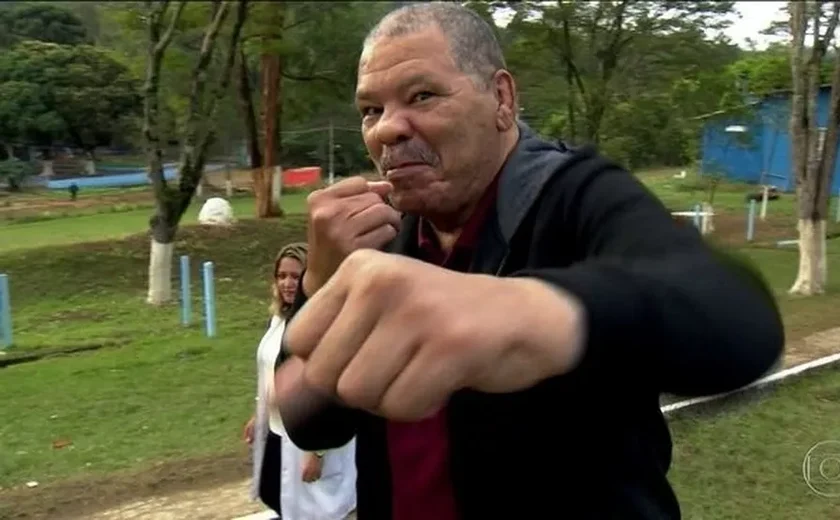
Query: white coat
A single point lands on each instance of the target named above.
(331, 497)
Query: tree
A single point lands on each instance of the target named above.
(42, 22)
(74, 94)
(814, 149)
(14, 172)
(272, 39)
(592, 45)
(297, 63)
(197, 132)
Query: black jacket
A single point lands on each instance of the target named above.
(666, 313)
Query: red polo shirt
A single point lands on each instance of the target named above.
(418, 452)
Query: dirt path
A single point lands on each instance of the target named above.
(222, 503)
(813, 346)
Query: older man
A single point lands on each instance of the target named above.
(505, 356)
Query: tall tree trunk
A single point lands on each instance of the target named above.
(277, 178)
(246, 106)
(814, 149)
(199, 132)
(262, 182)
(160, 258)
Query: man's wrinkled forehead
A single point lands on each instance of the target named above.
(406, 59)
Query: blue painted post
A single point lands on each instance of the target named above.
(751, 221)
(5, 313)
(697, 215)
(186, 310)
(209, 300)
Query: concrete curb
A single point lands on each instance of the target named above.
(750, 392)
(264, 515)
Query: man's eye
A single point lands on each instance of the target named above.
(370, 111)
(422, 96)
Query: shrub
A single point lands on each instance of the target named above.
(14, 172)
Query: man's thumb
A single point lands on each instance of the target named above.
(381, 188)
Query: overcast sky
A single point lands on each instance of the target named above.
(755, 17)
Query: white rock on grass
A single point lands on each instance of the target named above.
(216, 211)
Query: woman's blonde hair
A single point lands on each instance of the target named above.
(296, 251)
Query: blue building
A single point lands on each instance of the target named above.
(755, 146)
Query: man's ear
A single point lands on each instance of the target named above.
(504, 89)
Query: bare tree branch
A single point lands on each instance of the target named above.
(190, 179)
(157, 46)
(798, 121)
(315, 76)
(170, 30)
(828, 36)
(199, 82)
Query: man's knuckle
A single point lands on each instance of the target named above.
(360, 259)
(417, 309)
(390, 408)
(353, 394)
(320, 215)
(314, 198)
(455, 333)
(317, 380)
(371, 286)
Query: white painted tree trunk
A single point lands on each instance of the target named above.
(276, 185)
(90, 166)
(47, 169)
(707, 225)
(812, 275)
(228, 188)
(765, 193)
(160, 273)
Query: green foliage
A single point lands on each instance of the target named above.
(42, 22)
(631, 77)
(634, 83)
(54, 92)
(14, 171)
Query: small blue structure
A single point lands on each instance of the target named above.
(756, 147)
(119, 177)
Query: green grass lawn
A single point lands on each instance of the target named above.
(747, 462)
(112, 225)
(683, 194)
(802, 316)
(150, 398)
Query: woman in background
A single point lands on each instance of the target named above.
(298, 485)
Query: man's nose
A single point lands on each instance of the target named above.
(393, 128)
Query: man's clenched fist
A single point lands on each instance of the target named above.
(349, 215)
(396, 336)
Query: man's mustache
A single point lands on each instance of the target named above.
(407, 153)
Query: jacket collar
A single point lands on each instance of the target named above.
(526, 171)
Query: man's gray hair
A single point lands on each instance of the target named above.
(472, 43)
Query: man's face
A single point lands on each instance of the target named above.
(430, 130)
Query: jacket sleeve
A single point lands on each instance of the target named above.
(329, 426)
(662, 307)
